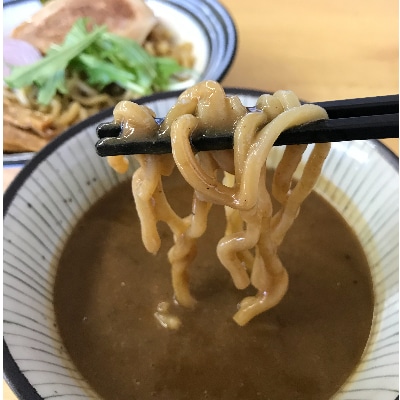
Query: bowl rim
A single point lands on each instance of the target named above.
(39, 156)
(11, 372)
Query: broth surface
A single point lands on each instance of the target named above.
(108, 287)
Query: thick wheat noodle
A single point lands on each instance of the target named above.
(254, 230)
(145, 182)
(284, 172)
(202, 181)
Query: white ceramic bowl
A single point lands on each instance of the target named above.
(206, 24)
(360, 179)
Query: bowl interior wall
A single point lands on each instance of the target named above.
(356, 179)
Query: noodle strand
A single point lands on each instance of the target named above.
(234, 178)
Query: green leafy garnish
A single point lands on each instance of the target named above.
(102, 58)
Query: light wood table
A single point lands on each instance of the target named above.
(322, 50)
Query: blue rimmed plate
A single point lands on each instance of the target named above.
(206, 24)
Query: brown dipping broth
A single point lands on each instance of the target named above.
(108, 287)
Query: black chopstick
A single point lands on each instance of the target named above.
(350, 119)
(364, 106)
